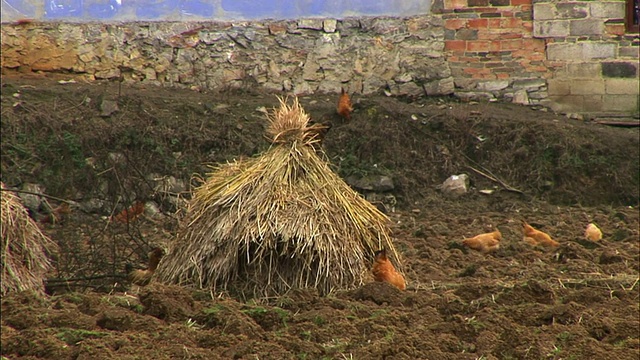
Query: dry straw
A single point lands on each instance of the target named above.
(24, 248)
(261, 226)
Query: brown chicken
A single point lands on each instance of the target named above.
(384, 271)
(344, 105)
(143, 277)
(537, 237)
(130, 214)
(57, 215)
(485, 243)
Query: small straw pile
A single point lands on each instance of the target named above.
(284, 220)
(24, 248)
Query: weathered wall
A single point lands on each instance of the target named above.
(364, 55)
(573, 56)
(595, 62)
(492, 52)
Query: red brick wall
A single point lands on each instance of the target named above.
(492, 39)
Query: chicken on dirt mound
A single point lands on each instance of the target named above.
(142, 277)
(536, 237)
(283, 220)
(485, 243)
(384, 271)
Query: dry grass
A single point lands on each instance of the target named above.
(24, 248)
(283, 220)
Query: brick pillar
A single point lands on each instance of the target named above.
(490, 46)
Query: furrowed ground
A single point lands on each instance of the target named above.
(578, 301)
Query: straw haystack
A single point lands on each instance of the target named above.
(24, 248)
(264, 225)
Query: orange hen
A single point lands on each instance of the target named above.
(344, 105)
(384, 271)
(57, 215)
(129, 215)
(143, 277)
(537, 237)
(485, 243)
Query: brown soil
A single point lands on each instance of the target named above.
(578, 301)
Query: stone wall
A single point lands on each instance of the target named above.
(492, 52)
(404, 56)
(596, 63)
(572, 56)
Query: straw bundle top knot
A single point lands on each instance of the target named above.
(290, 123)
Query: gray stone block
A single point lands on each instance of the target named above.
(529, 84)
(597, 50)
(587, 87)
(403, 78)
(313, 24)
(329, 25)
(583, 70)
(586, 27)
(620, 103)
(622, 86)
(465, 84)
(520, 97)
(544, 11)
(564, 51)
(620, 69)
(467, 34)
(440, 87)
(494, 85)
(572, 10)
(449, 34)
(537, 95)
(607, 9)
(500, 2)
(551, 28)
(559, 87)
(410, 89)
(629, 52)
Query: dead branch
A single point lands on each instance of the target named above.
(492, 177)
(39, 194)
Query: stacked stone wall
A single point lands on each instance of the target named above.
(572, 56)
(402, 55)
(597, 62)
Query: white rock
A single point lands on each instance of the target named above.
(152, 210)
(493, 85)
(117, 158)
(314, 24)
(92, 206)
(456, 185)
(30, 201)
(330, 25)
(521, 97)
(170, 185)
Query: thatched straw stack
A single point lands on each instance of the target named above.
(264, 225)
(24, 248)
